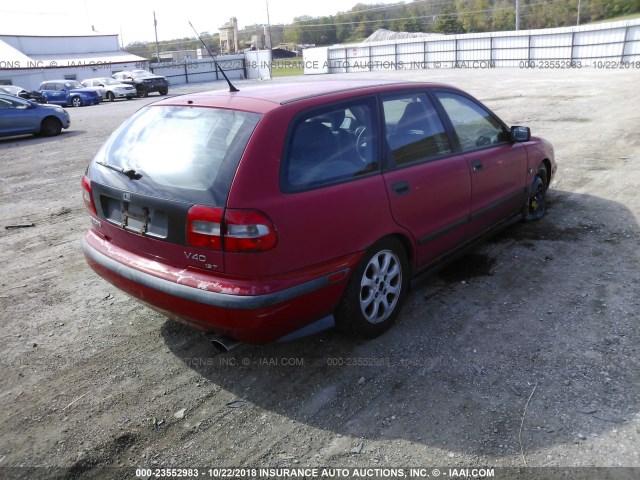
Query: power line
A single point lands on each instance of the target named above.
(454, 14)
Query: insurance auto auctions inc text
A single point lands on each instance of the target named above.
(52, 63)
(369, 473)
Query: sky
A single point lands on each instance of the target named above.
(134, 20)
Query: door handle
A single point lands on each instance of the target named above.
(477, 165)
(401, 187)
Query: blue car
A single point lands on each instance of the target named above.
(19, 117)
(69, 92)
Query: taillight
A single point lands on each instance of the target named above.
(230, 230)
(248, 231)
(86, 195)
(204, 227)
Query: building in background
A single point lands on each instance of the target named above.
(29, 58)
(229, 36)
(180, 55)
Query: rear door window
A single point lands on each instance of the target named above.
(331, 145)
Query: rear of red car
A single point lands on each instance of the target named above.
(167, 230)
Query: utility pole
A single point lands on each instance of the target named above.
(517, 14)
(269, 26)
(269, 36)
(155, 27)
(578, 20)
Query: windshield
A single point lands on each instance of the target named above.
(193, 148)
(109, 81)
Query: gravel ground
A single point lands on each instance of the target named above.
(524, 352)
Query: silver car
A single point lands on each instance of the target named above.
(111, 89)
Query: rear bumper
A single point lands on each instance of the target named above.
(213, 304)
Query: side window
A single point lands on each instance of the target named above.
(413, 128)
(474, 126)
(330, 146)
(6, 104)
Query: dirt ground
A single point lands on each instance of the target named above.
(525, 352)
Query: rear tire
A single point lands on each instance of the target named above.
(373, 298)
(50, 127)
(111, 97)
(535, 206)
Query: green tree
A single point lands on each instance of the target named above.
(447, 21)
(475, 15)
(503, 16)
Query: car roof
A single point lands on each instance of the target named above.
(60, 81)
(263, 98)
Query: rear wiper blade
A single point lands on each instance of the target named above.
(129, 172)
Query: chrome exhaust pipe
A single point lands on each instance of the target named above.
(224, 344)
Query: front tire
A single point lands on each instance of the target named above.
(76, 101)
(163, 91)
(142, 92)
(535, 205)
(375, 293)
(111, 97)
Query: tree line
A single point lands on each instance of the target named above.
(148, 49)
(455, 16)
(437, 16)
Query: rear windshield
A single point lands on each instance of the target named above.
(182, 148)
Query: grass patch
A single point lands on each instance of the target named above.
(286, 67)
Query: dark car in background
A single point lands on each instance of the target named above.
(255, 213)
(144, 82)
(19, 117)
(69, 92)
(22, 93)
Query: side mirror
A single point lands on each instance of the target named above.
(101, 84)
(520, 134)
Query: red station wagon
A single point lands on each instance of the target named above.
(252, 214)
